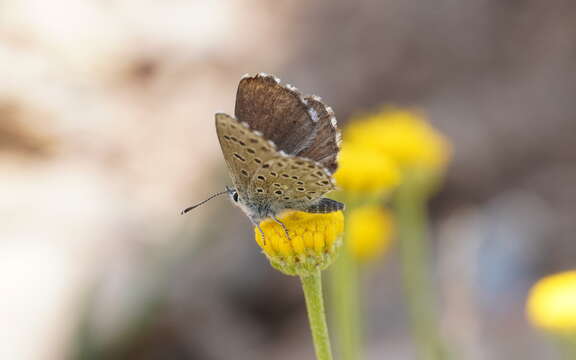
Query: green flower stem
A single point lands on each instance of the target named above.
(345, 302)
(312, 285)
(411, 200)
(566, 345)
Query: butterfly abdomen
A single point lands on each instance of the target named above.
(325, 206)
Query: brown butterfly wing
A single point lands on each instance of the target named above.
(278, 112)
(290, 182)
(323, 147)
(244, 150)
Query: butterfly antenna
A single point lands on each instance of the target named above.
(203, 202)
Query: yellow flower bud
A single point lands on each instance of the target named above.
(370, 230)
(364, 171)
(314, 239)
(402, 135)
(551, 304)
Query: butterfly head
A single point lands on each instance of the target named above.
(233, 194)
(254, 210)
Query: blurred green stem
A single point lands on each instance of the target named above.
(312, 286)
(567, 346)
(345, 301)
(411, 199)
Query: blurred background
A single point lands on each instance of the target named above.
(106, 133)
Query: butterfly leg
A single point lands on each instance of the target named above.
(281, 224)
(261, 231)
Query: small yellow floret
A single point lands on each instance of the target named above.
(313, 241)
(403, 135)
(551, 303)
(370, 230)
(364, 170)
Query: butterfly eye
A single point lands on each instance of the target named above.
(235, 197)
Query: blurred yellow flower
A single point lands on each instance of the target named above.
(314, 239)
(404, 136)
(364, 170)
(370, 230)
(551, 303)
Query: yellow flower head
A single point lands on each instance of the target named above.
(551, 303)
(402, 135)
(363, 170)
(314, 239)
(370, 230)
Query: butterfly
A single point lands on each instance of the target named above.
(281, 150)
